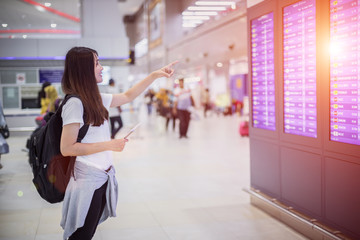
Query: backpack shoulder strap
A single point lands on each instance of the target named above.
(67, 97)
(83, 130)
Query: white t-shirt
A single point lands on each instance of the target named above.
(72, 112)
(114, 111)
(183, 98)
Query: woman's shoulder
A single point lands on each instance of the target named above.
(105, 94)
(106, 98)
(73, 102)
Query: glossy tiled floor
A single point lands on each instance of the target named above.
(169, 188)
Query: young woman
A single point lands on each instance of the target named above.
(91, 194)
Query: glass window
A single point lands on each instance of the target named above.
(11, 97)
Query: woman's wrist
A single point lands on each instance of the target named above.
(154, 75)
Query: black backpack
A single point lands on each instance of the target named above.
(52, 171)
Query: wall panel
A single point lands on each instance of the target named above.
(301, 179)
(342, 193)
(264, 167)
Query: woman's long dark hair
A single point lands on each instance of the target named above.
(79, 79)
(42, 93)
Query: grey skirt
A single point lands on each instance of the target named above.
(79, 193)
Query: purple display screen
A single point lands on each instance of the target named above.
(262, 67)
(299, 43)
(344, 71)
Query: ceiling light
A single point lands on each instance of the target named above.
(196, 17)
(47, 4)
(213, 3)
(197, 21)
(53, 25)
(24, 36)
(40, 8)
(4, 25)
(192, 8)
(189, 25)
(219, 64)
(188, 13)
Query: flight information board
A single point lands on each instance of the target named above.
(344, 71)
(299, 65)
(263, 77)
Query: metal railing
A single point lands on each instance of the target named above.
(287, 210)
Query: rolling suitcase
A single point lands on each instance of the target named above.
(244, 128)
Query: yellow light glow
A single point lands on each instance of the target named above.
(334, 48)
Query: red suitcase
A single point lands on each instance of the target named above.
(244, 128)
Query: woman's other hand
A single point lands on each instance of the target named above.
(117, 145)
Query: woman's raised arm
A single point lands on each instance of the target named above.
(138, 88)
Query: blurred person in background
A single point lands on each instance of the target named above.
(149, 100)
(51, 95)
(206, 101)
(43, 103)
(170, 114)
(164, 105)
(116, 122)
(162, 101)
(48, 100)
(183, 102)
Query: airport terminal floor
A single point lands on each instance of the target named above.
(169, 188)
